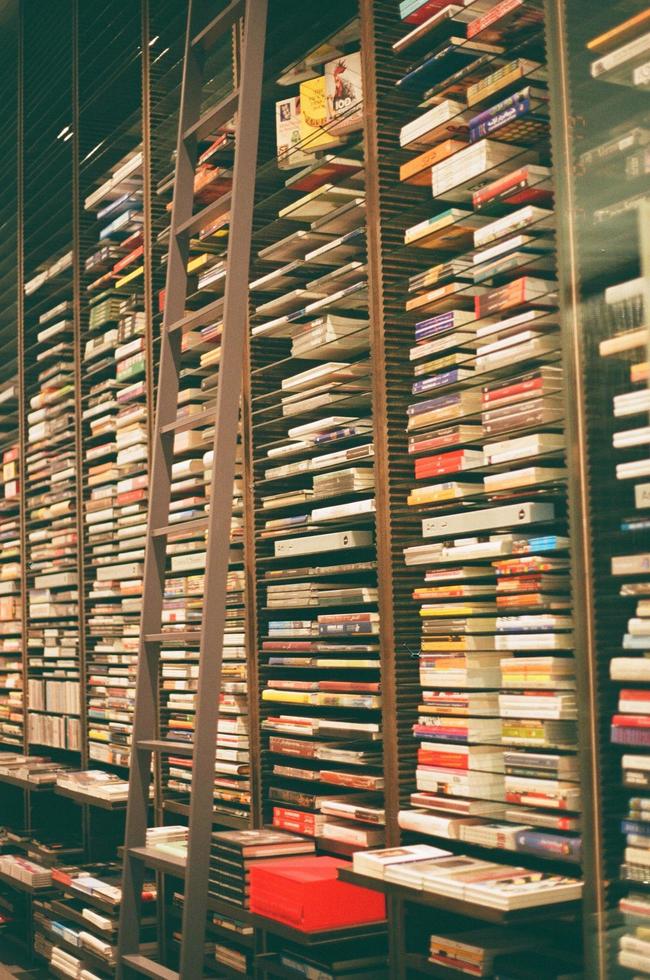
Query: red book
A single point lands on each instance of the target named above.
(439, 759)
(494, 14)
(130, 497)
(306, 893)
(352, 686)
(630, 695)
(518, 179)
(132, 241)
(128, 259)
(519, 388)
(631, 721)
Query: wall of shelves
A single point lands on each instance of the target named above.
(82, 274)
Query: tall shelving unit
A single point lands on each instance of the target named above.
(82, 89)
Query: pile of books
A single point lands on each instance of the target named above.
(313, 455)
(497, 725)
(235, 852)
(469, 879)
(31, 768)
(190, 507)
(96, 784)
(115, 456)
(11, 626)
(169, 840)
(633, 945)
(52, 546)
(474, 952)
(28, 872)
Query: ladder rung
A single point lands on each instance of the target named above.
(149, 968)
(208, 214)
(198, 318)
(214, 117)
(160, 745)
(187, 422)
(177, 636)
(183, 527)
(219, 25)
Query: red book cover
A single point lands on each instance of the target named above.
(128, 259)
(448, 760)
(351, 686)
(494, 14)
(130, 497)
(631, 721)
(497, 188)
(630, 695)
(305, 893)
(132, 241)
(520, 387)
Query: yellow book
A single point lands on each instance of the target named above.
(127, 279)
(314, 116)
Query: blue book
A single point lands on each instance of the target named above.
(547, 845)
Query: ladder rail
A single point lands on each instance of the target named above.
(146, 693)
(235, 326)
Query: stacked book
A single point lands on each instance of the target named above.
(27, 872)
(474, 952)
(235, 852)
(32, 769)
(475, 881)
(11, 626)
(497, 725)
(313, 456)
(189, 509)
(168, 840)
(51, 514)
(96, 784)
(115, 457)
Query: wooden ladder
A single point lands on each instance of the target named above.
(244, 103)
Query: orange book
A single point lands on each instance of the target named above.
(417, 170)
(620, 34)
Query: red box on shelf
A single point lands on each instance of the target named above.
(305, 893)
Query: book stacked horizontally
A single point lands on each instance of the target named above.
(496, 726)
(234, 853)
(51, 502)
(11, 627)
(96, 783)
(115, 444)
(28, 872)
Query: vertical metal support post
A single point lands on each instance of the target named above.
(583, 586)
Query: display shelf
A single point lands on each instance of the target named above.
(460, 907)
(302, 938)
(87, 799)
(23, 886)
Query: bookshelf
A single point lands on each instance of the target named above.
(94, 90)
(604, 264)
